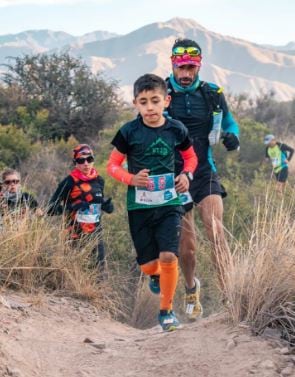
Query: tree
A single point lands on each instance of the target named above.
(77, 102)
(14, 146)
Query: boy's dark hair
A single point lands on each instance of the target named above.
(149, 81)
(186, 43)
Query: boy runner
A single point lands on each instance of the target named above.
(154, 208)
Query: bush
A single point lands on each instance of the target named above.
(15, 146)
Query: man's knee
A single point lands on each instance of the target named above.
(187, 254)
(187, 245)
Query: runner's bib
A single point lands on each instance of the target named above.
(91, 215)
(160, 190)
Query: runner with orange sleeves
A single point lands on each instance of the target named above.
(154, 207)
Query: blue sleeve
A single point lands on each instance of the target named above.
(229, 124)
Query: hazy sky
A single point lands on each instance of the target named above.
(261, 21)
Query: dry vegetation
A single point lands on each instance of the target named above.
(36, 255)
(260, 285)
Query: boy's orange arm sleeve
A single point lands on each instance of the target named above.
(115, 169)
(190, 159)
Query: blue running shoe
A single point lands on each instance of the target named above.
(168, 320)
(154, 284)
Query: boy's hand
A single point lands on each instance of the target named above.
(141, 179)
(181, 183)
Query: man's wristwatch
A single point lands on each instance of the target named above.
(188, 174)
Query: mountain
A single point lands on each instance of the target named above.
(237, 65)
(289, 48)
(40, 41)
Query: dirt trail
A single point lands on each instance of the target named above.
(64, 337)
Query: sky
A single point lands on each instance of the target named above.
(260, 21)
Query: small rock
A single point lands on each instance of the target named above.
(231, 344)
(268, 364)
(88, 340)
(100, 346)
(13, 372)
(287, 371)
(284, 351)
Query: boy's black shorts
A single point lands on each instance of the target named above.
(155, 230)
(282, 175)
(203, 186)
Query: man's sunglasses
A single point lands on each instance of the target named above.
(81, 160)
(11, 181)
(192, 51)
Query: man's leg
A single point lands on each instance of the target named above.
(187, 258)
(188, 246)
(211, 212)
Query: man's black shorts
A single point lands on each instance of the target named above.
(282, 175)
(203, 186)
(155, 230)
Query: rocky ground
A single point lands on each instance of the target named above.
(48, 336)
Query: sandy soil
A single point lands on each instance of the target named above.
(52, 336)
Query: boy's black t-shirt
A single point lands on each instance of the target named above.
(151, 148)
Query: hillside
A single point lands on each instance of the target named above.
(237, 65)
(49, 336)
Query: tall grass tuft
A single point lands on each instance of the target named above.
(36, 254)
(260, 284)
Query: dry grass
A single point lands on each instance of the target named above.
(260, 285)
(36, 255)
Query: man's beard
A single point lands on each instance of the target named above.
(185, 81)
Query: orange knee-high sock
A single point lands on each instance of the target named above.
(168, 283)
(151, 268)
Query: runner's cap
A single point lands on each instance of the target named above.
(82, 149)
(268, 139)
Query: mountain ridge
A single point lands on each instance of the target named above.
(238, 65)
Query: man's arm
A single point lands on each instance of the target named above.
(229, 126)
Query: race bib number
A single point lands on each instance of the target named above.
(91, 215)
(160, 190)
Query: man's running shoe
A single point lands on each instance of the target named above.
(168, 320)
(193, 307)
(154, 284)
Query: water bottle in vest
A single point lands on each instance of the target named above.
(214, 135)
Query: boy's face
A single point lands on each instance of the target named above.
(151, 104)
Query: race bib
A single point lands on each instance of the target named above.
(275, 162)
(91, 215)
(160, 190)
